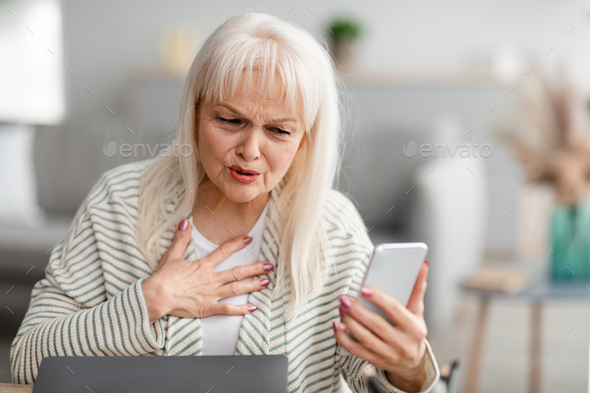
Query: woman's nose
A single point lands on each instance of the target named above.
(249, 147)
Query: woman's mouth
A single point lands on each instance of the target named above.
(243, 175)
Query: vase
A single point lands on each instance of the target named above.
(570, 242)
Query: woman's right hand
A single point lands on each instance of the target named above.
(192, 289)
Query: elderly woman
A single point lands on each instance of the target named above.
(242, 247)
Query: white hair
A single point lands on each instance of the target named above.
(273, 47)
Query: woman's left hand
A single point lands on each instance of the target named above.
(398, 350)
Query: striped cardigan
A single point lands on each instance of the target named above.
(90, 302)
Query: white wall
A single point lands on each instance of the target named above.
(106, 39)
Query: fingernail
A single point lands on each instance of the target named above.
(252, 308)
(335, 325)
(264, 282)
(183, 224)
(366, 291)
(342, 311)
(345, 301)
(427, 262)
(268, 267)
(247, 239)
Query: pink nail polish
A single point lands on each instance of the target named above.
(247, 239)
(268, 267)
(342, 311)
(367, 291)
(335, 325)
(264, 282)
(183, 224)
(345, 301)
(252, 308)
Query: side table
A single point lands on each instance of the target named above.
(539, 291)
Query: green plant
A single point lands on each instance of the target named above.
(344, 27)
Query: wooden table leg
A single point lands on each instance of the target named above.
(477, 346)
(536, 332)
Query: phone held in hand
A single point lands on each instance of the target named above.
(393, 268)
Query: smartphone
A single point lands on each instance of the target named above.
(393, 268)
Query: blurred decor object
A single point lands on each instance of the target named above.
(553, 145)
(177, 47)
(345, 31)
(32, 65)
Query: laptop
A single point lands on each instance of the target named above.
(146, 374)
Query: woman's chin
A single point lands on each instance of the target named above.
(242, 192)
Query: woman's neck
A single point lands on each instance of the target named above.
(220, 219)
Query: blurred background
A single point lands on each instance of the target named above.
(467, 128)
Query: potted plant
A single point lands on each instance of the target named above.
(344, 33)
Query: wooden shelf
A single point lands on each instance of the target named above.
(364, 75)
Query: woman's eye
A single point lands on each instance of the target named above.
(280, 131)
(238, 122)
(230, 121)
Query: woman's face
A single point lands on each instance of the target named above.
(247, 133)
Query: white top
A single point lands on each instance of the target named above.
(220, 332)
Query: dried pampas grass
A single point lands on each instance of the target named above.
(552, 139)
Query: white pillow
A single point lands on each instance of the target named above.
(18, 184)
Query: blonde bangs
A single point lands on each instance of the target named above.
(234, 63)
